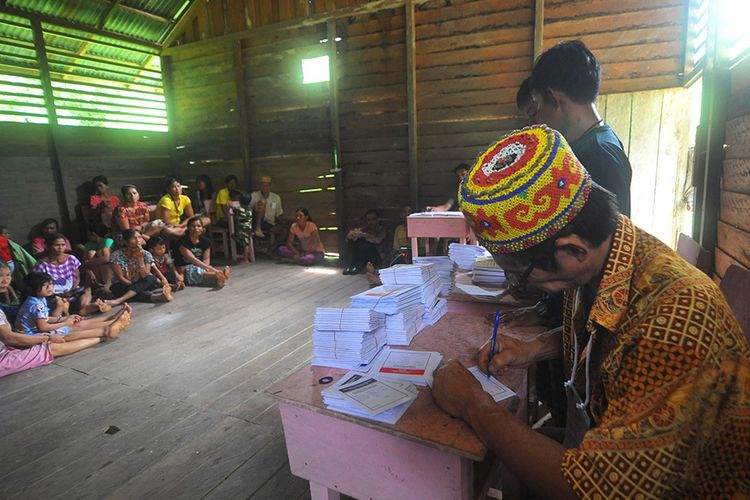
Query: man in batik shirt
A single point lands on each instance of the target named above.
(658, 369)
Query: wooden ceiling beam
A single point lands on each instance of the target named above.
(183, 22)
(77, 26)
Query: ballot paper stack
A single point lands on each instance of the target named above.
(424, 275)
(402, 327)
(432, 314)
(370, 397)
(347, 338)
(487, 272)
(465, 255)
(388, 299)
(444, 267)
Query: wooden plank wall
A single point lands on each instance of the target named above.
(470, 60)
(289, 124)
(27, 190)
(372, 114)
(734, 222)
(206, 116)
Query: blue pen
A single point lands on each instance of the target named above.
(494, 341)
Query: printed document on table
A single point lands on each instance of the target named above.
(478, 291)
(410, 366)
(375, 396)
(491, 385)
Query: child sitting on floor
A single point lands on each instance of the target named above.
(34, 316)
(164, 267)
(193, 257)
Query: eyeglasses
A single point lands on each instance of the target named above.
(518, 281)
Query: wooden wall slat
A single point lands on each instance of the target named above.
(737, 175)
(735, 243)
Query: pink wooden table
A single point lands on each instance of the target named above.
(437, 226)
(426, 454)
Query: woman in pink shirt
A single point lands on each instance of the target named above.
(309, 249)
(102, 202)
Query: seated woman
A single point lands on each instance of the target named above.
(30, 351)
(102, 203)
(164, 267)
(96, 253)
(64, 270)
(134, 278)
(203, 193)
(310, 249)
(34, 316)
(47, 227)
(193, 257)
(174, 208)
(134, 214)
(9, 302)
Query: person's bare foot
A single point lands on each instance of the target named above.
(227, 270)
(102, 305)
(114, 330)
(259, 233)
(166, 290)
(220, 280)
(373, 278)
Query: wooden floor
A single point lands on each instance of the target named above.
(184, 386)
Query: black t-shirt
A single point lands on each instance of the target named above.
(198, 249)
(600, 151)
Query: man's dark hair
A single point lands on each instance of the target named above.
(229, 178)
(461, 166)
(100, 178)
(523, 96)
(569, 67)
(47, 222)
(35, 280)
(596, 221)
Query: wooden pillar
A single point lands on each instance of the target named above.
(338, 172)
(411, 97)
(244, 116)
(49, 103)
(166, 80)
(538, 28)
(710, 137)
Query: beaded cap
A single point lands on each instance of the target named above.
(523, 189)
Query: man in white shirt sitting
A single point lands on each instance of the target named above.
(267, 209)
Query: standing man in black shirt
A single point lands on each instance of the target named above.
(564, 84)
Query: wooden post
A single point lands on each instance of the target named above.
(166, 80)
(49, 103)
(411, 97)
(338, 172)
(538, 28)
(239, 82)
(710, 138)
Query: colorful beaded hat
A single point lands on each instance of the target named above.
(523, 189)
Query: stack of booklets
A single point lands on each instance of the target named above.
(402, 327)
(347, 338)
(465, 255)
(388, 299)
(415, 367)
(432, 314)
(487, 272)
(407, 274)
(445, 269)
(368, 396)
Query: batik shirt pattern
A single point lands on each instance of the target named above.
(671, 398)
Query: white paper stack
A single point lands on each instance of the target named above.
(465, 255)
(346, 349)
(432, 314)
(407, 274)
(445, 268)
(356, 319)
(407, 366)
(487, 272)
(388, 299)
(370, 397)
(402, 327)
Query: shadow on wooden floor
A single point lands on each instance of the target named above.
(181, 393)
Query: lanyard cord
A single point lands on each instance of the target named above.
(569, 383)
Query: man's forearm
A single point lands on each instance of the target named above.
(534, 458)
